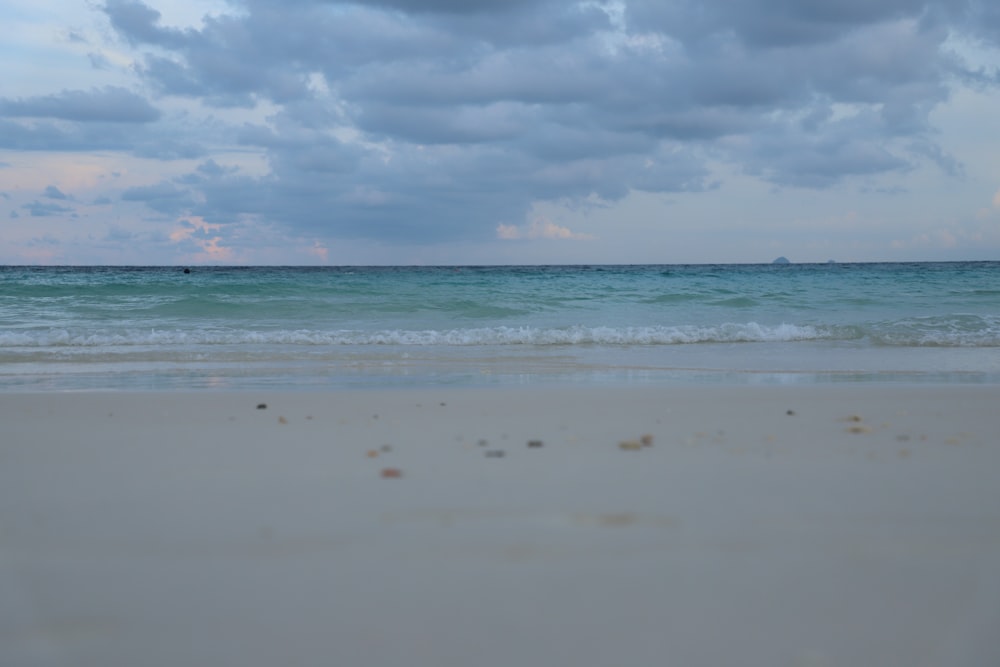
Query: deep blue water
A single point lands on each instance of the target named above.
(66, 328)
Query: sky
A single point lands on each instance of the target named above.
(498, 131)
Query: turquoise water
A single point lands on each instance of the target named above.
(126, 328)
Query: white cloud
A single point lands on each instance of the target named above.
(540, 228)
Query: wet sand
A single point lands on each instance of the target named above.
(807, 526)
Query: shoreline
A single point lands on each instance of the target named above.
(806, 525)
(462, 376)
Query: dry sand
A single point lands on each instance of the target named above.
(817, 526)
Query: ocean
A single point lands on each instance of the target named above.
(307, 328)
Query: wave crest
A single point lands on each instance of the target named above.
(577, 335)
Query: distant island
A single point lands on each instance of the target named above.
(781, 260)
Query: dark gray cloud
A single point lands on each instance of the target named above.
(110, 105)
(54, 136)
(163, 197)
(462, 7)
(430, 119)
(765, 24)
(39, 209)
(118, 235)
(982, 19)
(52, 192)
(137, 22)
(109, 118)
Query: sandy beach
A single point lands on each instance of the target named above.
(802, 526)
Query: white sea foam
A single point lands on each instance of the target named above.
(579, 335)
(911, 332)
(926, 332)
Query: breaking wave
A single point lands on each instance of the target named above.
(579, 335)
(961, 331)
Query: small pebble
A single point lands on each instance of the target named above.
(386, 448)
(495, 453)
(630, 445)
(372, 454)
(282, 420)
(646, 440)
(534, 443)
(483, 442)
(859, 429)
(391, 473)
(262, 406)
(790, 413)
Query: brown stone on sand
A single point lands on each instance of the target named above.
(646, 440)
(630, 445)
(391, 473)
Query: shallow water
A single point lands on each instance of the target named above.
(125, 328)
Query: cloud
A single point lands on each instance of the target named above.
(109, 118)
(51, 136)
(110, 104)
(429, 120)
(164, 197)
(201, 241)
(99, 61)
(137, 21)
(461, 7)
(540, 228)
(43, 241)
(52, 192)
(39, 209)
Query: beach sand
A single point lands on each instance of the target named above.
(776, 526)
